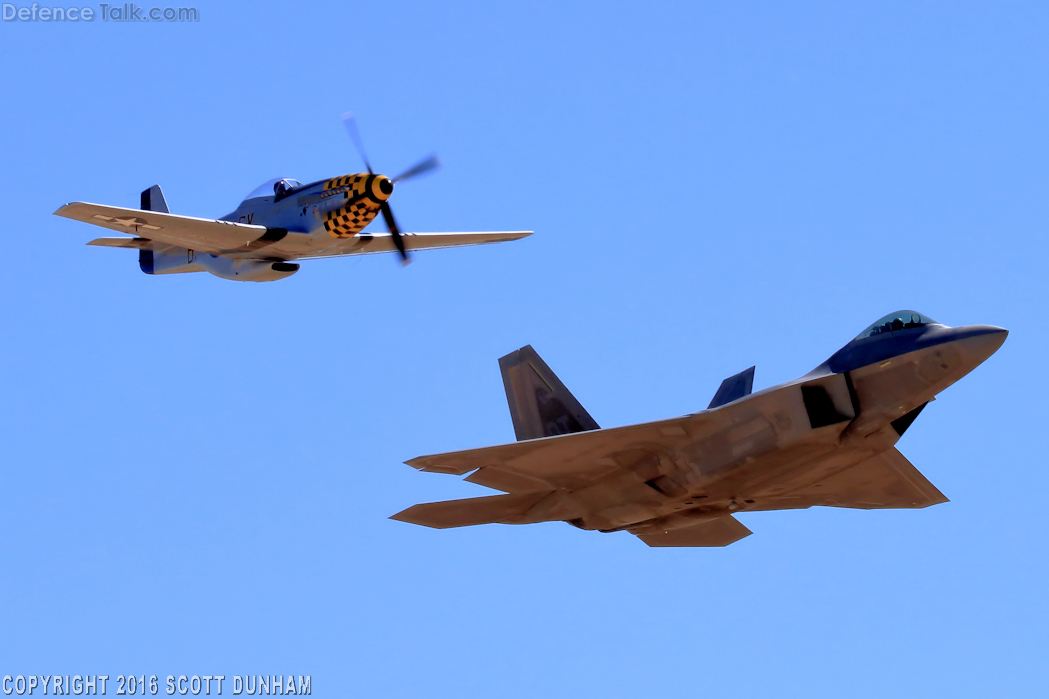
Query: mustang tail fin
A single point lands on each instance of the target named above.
(153, 200)
(540, 405)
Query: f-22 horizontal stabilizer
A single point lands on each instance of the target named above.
(717, 532)
(490, 509)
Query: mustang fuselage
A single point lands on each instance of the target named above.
(318, 219)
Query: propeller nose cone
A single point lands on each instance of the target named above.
(380, 188)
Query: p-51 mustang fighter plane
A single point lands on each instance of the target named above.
(280, 221)
(825, 439)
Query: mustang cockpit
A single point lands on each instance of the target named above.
(278, 188)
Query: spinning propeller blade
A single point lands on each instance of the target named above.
(350, 122)
(391, 226)
(420, 168)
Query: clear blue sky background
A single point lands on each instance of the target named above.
(197, 474)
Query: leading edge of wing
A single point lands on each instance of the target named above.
(371, 243)
(458, 463)
(204, 234)
(885, 481)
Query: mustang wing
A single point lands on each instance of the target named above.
(368, 243)
(203, 234)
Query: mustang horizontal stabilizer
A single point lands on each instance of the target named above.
(201, 234)
(139, 243)
(540, 405)
(733, 388)
(716, 532)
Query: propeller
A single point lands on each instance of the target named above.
(420, 168)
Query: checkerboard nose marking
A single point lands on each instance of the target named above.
(364, 195)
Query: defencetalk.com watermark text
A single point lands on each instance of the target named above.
(125, 12)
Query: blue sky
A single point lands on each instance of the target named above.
(197, 474)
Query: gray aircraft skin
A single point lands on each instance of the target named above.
(825, 439)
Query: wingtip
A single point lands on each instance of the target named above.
(432, 465)
(416, 514)
(420, 463)
(60, 211)
(400, 516)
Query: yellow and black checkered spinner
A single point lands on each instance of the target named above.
(364, 198)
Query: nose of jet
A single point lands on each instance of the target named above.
(979, 341)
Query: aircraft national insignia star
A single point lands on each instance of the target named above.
(827, 439)
(130, 222)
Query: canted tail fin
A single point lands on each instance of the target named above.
(540, 405)
(733, 388)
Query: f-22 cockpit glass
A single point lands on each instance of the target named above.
(900, 320)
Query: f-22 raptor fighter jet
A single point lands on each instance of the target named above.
(280, 221)
(825, 439)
